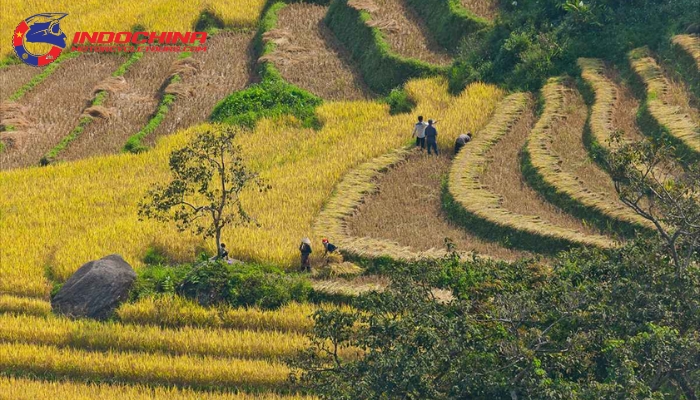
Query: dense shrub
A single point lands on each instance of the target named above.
(532, 40)
(267, 99)
(212, 282)
(596, 324)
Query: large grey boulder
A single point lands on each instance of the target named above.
(96, 289)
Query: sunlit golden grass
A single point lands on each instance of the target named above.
(24, 305)
(154, 369)
(27, 389)
(158, 15)
(487, 9)
(55, 105)
(406, 32)
(668, 100)
(61, 216)
(485, 179)
(92, 335)
(309, 56)
(691, 44)
(406, 207)
(559, 157)
(179, 312)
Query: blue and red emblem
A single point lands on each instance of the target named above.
(40, 28)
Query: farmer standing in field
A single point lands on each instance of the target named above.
(431, 136)
(305, 249)
(419, 132)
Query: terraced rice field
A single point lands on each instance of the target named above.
(224, 68)
(407, 209)
(406, 33)
(560, 159)
(26, 389)
(77, 222)
(309, 56)
(14, 77)
(234, 350)
(503, 177)
(130, 108)
(54, 107)
(615, 107)
(668, 99)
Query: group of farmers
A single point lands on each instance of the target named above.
(426, 136)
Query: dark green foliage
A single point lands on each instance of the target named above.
(243, 285)
(399, 102)
(267, 99)
(381, 69)
(159, 279)
(533, 40)
(209, 22)
(599, 324)
(217, 282)
(449, 22)
(155, 256)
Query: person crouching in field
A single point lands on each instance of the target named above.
(431, 137)
(419, 132)
(462, 140)
(305, 249)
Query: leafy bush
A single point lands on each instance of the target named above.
(399, 102)
(267, 99)
(532, 40)
(211, 282)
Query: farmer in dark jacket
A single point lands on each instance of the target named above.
(305, 249)
(431, 136)
(330, 247)
(462, 140)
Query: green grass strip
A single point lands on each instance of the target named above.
(135, 143)
(9, 60)
(43, 75)
(99, 99)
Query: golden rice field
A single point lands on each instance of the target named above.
(158, 15)
(141, 368)
(177, 312)
(26, 389)
(64, 215)
(99, 336)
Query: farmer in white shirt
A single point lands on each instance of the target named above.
(419, 132)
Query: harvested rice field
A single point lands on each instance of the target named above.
(54, 106)
(14, 77)
(224, 68)
(568, 144)
(405, 31)
(129, 108)
(407, 209)
(504, 178)
(309, 56)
